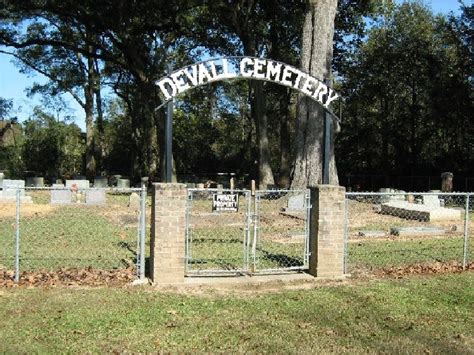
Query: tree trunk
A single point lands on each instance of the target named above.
(259, 114)
(89, 110)
(316, 57)
(285, 154)
(100, 135)
(258, 111)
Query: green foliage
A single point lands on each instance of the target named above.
(52, 148)
(408, 98)
(11, 142)
(405, 74)
(5, 107)
(117, 140)
(212, 130)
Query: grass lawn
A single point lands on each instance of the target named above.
(370, 254)
(415, 315)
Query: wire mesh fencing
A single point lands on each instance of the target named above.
(281, 230)
(386, 232)
(57, 229)
(231, 231)
(217, 231)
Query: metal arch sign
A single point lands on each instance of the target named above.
(212, 70)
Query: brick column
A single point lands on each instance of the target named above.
(327, 231)
(168, 228)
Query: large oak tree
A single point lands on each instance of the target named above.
(316, 59)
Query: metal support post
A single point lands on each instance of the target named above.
(307, 252)
(17, 237)
(253, 267)
(169, 137)
(346, 233)
(466, 233)
(142, 231)
(327, 146)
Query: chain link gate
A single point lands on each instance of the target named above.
(233, 232)
(281, 231)
(217, 231)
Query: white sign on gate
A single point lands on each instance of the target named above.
(225, 203)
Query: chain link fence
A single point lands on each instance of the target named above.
(390, 231)
(56, 229)
(281, 230)
(229, 231)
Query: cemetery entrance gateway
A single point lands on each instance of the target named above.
(264, 234)
(233, 232)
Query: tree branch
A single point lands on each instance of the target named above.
(46, 74)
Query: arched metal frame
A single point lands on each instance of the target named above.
(329, 114)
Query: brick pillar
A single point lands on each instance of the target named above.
(168, 228)
(327, 231)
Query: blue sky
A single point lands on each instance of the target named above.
(13, 84)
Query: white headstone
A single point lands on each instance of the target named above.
(95, 197)
(431, 201)
(11, 186)
(296, 203)
(123, 183)
(61, 197)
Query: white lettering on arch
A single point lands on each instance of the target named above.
(248, 68)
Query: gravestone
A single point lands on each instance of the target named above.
(123, 183)
(134, 201)
(100, 182)
(447, 182)
(385, 198)
(95, 197)
(296, 203)
(409, 231)
(400, 197)
(35, 181)
(2, 176)
(114, 179)
(421, 212)
(80, 184)
(431, 201)
(10, 187)
(60, 195)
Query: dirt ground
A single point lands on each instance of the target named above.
(69, 277)
(88, 277)
(8, 210)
